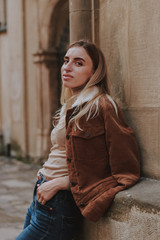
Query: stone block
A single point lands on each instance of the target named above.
(145, 123)
(78, 23)
(113, 28)
(134, 214)
(80, 5)
(144, 53)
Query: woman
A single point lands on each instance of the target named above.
(94, 153)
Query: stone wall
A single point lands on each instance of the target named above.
(12, 77)
(29, 79)
(134, 214)
(129, 37)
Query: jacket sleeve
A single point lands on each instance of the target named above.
(124, 161)
(122, 148)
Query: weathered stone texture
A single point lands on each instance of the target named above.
(145, 122)
(135, 214)
(32, 44)
(136, 225)
(80, 20)
(13, 120)
(29, 73)
(129, 37)
(79, 33)
(144, 52)
(5, 91)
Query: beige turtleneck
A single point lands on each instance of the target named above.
(56, 165)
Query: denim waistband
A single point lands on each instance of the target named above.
(64, 194)
(42, 178)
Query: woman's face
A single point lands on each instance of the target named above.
(77, 68)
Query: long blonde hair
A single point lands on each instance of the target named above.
(99, 79)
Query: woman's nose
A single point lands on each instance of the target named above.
(68, 66)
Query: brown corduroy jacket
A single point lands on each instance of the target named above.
(102, 159)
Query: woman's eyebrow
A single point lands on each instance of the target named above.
(77, 58)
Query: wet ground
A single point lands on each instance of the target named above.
(17, 181)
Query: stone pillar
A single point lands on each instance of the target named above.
(95, 21)
(0, 104)
(43, 61)
(80, 19)
(130, 39)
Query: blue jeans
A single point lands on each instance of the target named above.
(58, 219)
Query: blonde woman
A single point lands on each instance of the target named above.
(94, 153)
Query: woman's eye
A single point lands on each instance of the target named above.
(79, 63)
(66, 61)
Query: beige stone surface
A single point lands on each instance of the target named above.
(145, 122)
(135, 215)
(12, 93)
(5, 91)
(137, 225)
(16, 78)
(144, 51)
(80, 31)
(26, 93)
(32, 44)
(80, 5)
(129, 37)
(80, 20)
(113, 28)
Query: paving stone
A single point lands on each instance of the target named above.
(8, 198)
(9, 234)
(16, 183)
(16, 190)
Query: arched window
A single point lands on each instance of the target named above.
(3, 16)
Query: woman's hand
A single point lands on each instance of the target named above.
(48, 189)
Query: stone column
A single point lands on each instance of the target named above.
(80, 19)
(43, 60)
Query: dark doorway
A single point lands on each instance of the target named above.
(58, 42)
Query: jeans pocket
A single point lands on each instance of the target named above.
(43, 216)
(70, 226)
(44, 207)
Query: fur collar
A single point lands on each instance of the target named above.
(86, 96)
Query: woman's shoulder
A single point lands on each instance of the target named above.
(106, 103)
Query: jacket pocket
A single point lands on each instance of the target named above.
(88, 132)
(89, 144)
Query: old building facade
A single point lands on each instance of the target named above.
(33, 38)
(32, 47)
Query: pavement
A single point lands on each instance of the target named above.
(17, 181)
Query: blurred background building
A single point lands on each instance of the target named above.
(33, 38)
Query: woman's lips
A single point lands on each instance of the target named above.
(67, 76)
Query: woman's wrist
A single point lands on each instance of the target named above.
(61, 183)
(67, 183)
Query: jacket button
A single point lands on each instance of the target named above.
(87, 134)
(73, 184)
(67, 136)
(69, 160)
(82, 204)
